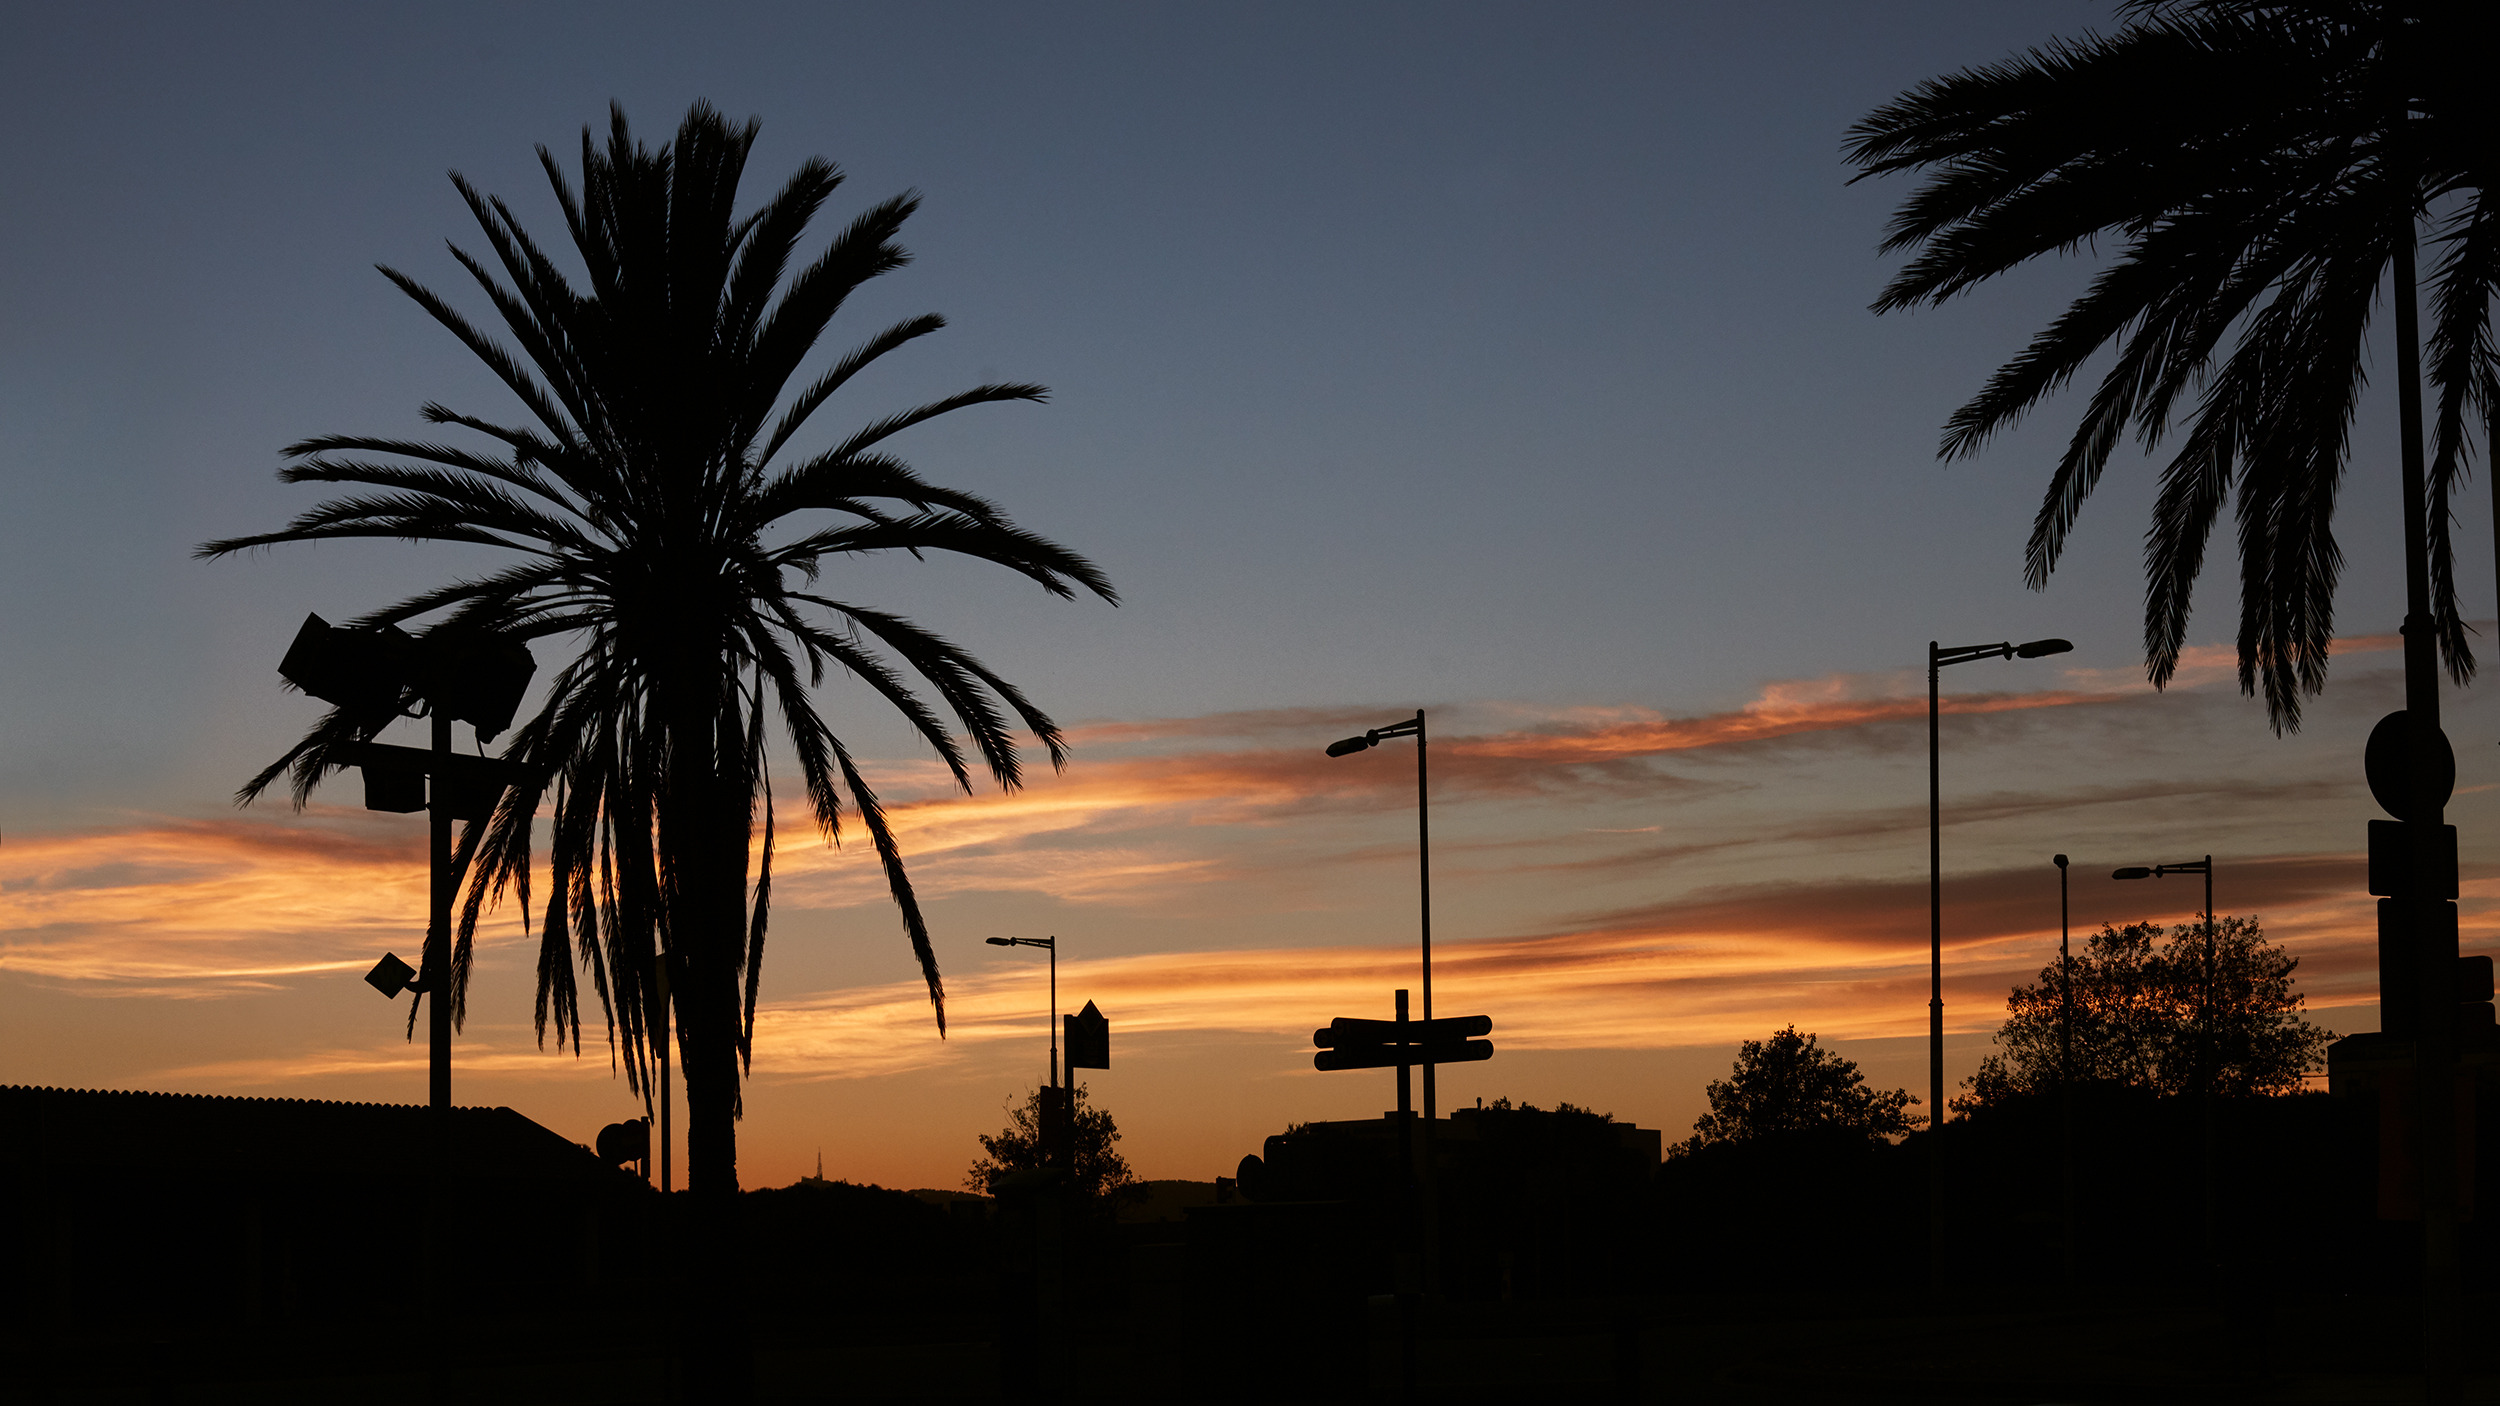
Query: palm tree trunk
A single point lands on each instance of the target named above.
(706, 838)
(711, 1055)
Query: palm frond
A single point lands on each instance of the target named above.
(2253, 205)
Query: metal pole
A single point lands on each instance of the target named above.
(1935, 994)
(437, 961)
(1407, 1272)
(2213, 1075)
(2065, 1076)
(1054, 1010)
(438, 994)
(2434, 956)
(1423, 859)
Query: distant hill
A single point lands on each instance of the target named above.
(1166, 1200)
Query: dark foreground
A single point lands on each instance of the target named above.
(344, 1253)
(2299, 1349)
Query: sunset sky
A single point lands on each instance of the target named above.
(1507, 362)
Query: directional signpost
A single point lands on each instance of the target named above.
(1402, 1044)
(1381, 1044)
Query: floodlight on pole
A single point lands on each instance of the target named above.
(375, 675)
(1938, 658)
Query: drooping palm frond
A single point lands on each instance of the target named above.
(2255, 167)
(659, 530)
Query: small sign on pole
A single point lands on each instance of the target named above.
(1087, 1035)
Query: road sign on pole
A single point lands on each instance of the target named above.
(1346, 1032)
(1088, 1039)
(1403, 1056)
(1350, 1043)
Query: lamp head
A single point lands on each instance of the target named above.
(2037, 648)
(473, 676)
(2058, 860)
(2132, 872)
(1352, 745)
(1000, 941)
(359, 670)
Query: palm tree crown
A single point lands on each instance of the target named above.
(657, 519)
(2258, 166)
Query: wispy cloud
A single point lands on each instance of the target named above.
(1163, 812)
(1847, 959)
(205, 907)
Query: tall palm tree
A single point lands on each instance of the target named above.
(661, 517)
(2259, 168)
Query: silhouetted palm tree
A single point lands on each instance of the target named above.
(2259, 167)
(657, 519)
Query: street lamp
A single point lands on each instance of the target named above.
(1050, 945)
(1937, 659)
(2065, 1077)
(1413, 727)
(2208, 1066)
(1058, 1104)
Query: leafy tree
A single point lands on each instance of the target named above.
(2208, 1013)
(1789, 1084)
(665, 518)
(2259, 167)
(1098, 1172)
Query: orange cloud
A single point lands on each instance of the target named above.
(1848, 960)
(213, 907)
(203, 907)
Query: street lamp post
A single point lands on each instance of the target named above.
(2208, 1067)
(1414, 728)
(2065, 1077)
(1058, 1101)
(1050, 945)
(1937, 659)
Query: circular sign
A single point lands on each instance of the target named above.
(2384, 762)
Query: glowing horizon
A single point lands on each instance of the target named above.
(1681, 935)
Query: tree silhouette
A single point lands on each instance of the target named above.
(1097, 1171)
(2204, 1014)
(2259, 166)
(663, 516)
(1789, 1084)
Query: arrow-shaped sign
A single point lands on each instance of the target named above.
(1345, 1031)
(1393, 1056)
